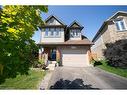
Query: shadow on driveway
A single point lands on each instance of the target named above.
(67, 84)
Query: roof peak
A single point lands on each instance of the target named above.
(55, 18)
(116, 13)
(76, 23)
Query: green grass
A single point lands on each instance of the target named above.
(30, 81)
(118, 71)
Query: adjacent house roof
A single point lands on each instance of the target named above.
(82, 42)
(110, 19)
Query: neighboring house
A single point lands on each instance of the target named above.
(65, 44)
(113, 29)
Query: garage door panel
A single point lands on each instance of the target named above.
(74, 58)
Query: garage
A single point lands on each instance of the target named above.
(74, 56)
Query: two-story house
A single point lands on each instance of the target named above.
(113, 29)
(65, 43)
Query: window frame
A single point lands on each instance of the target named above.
(118, 24)
(54, 33)
(73, 34)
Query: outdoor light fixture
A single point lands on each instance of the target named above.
(73, 47)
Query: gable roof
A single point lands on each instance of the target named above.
(56, 18)
(117, 14)
(77, 24)
(110, 19)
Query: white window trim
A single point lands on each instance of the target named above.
(75, 36)
(115, 21)
(54, 34)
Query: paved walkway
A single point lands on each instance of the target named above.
(45, 82)
(85, 78)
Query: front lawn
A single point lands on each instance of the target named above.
(30, 81)
(118, 71)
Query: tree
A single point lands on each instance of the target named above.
(17, 26)
(116, 53)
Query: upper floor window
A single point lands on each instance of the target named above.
(52, 32)
(75, 33)
(120, 25)
(46, 31)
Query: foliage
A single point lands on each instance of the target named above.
(116, 53)
(58, 62)
(41, 61)
(17, 26)
(95, 63)
(30, 81)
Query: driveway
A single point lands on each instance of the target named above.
(85, 78)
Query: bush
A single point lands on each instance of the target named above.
(116, 53)
(59, 62)
(99, 62)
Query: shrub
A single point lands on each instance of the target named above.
(58, 62)
(116, 53)
(99, 62)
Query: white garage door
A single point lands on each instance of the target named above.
(75, 57)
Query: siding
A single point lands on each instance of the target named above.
(108, 35)
(52, 39)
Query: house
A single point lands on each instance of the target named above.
(113, 29)
(65, 44)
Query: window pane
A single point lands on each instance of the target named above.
(52, 29)
(71, 34)
(57, 29)
(76, 33)
(52, 32)
(62, 29)
(57, 33)
(117, 25)
(122, 25)
(46, 33)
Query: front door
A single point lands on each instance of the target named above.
(53, 54)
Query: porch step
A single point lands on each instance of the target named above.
(52, 65)
(53, 62)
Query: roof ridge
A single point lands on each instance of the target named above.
(59, 20)
(75, 21)
(116, 14)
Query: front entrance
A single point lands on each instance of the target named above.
(53, 54)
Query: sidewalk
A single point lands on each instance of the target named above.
(44, 84)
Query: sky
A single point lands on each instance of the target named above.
(91, 17)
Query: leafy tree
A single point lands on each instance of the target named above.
(116, 53)
(17, 26)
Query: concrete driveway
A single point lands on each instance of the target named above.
(85, 78)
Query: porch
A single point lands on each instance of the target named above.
(50, 55)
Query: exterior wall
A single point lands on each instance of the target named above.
(117, 35)
(97, 48)
(53, 22)
(76, 38)
(108, 35)
(52, 39)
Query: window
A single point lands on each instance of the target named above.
(75, 33)
(57, 33)
(46, 31)
(52, 32)
(120, 25)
